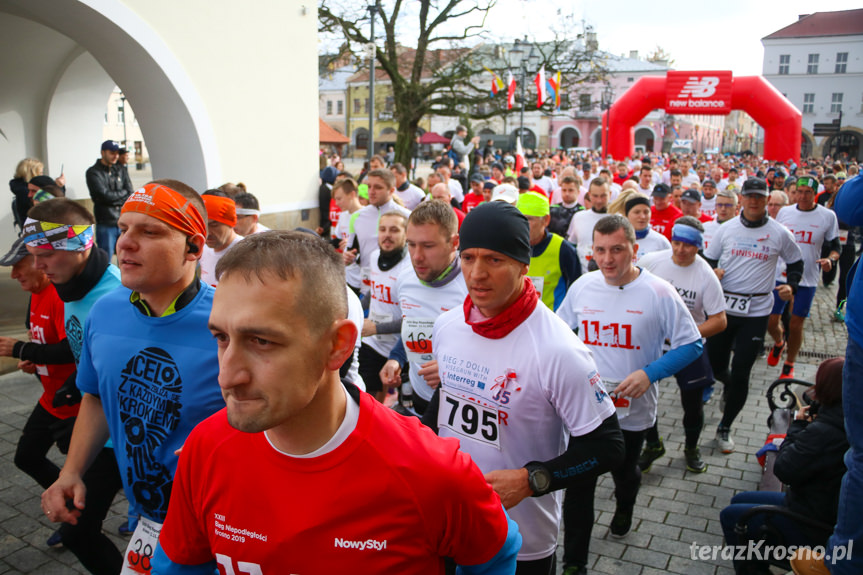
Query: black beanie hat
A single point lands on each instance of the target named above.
(497, 226)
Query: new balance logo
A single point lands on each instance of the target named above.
(699, 88)
(370, 544)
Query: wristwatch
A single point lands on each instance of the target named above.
(538, 478)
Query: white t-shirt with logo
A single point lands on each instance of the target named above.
(708, 206)
(624, 327)
(652, 242)
(420, 306)
(517, 399)
(580, 233)
(810, 230)
(411, 197)
(749, 258)
(384, 307)
(696, 283)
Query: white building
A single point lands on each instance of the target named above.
(817, 63)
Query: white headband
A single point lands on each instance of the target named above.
(248, 212)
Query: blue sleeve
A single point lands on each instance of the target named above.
(398, 353)
(673, 361)
(848, 204)
(504, 562)
(570, 265)
(161, 565)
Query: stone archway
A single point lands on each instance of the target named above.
(646, 137)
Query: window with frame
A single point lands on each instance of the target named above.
(340, 107)
(329, 107)
(121, 115)
(389, 104)
(356, 105)
(841, 62)
(584, 103)
(784, 64)
(809, 103)
(812, 67)
(367, 105)
(836, 103)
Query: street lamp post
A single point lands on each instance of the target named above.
(607, 97)
(373, 11)
(518, 60)
(123, 106)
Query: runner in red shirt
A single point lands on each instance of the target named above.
(290, 477)
(663, 213)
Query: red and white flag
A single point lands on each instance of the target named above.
(519, 155)
(541, 88)
(510, 92)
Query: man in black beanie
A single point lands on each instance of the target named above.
(514, 378)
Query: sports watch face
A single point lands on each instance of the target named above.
(539, 480)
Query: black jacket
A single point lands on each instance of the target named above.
(109, 187)
(810, 462)
(23, 203)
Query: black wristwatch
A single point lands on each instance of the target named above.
(538, 478)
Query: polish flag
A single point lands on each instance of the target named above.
(510, 92)
(519, 156)
(541, 88)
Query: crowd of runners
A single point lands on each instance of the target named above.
(474, 347)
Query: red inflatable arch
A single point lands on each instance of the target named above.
(714, 93)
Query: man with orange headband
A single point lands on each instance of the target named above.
(148, 370)
(221, 219)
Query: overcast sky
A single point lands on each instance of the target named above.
(723, 35)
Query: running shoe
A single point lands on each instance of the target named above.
(787, 371)
(621, 523)
(839, 314)
(650, 453)
(723, 440)
(694, 463)
(775, 354)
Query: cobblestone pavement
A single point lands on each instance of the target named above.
(675, 508)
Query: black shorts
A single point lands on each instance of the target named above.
(371, 364)
(697, 374)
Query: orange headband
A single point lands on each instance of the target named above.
(222, 210)
(165, 204)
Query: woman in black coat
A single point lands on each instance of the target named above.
(810, 462)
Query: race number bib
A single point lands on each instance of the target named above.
(141, 547)
(416, 335)
(365, 275)
(468, 418)
(621, 404)
(737, 303)
(843, 237)
(538, 282)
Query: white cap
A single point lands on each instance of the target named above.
(505, 193)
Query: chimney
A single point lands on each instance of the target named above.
(633, 54)
(801, 16)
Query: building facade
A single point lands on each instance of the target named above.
(817, 63)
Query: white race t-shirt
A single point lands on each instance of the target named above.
(384, 307)
(421, 305)
(366, 230)
(209, 259)
(517, 399)
(810, 230)
(456, 190)
(708, 206)
(355, 314)
(625, 327)
(580, 233)
(696, 283)
(652, 242)
(545, 183)
(749, 258)
(343, 232)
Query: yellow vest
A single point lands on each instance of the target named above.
(545, 273)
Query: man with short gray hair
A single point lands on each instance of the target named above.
(459, 148)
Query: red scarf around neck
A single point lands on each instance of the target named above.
(503, 323)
